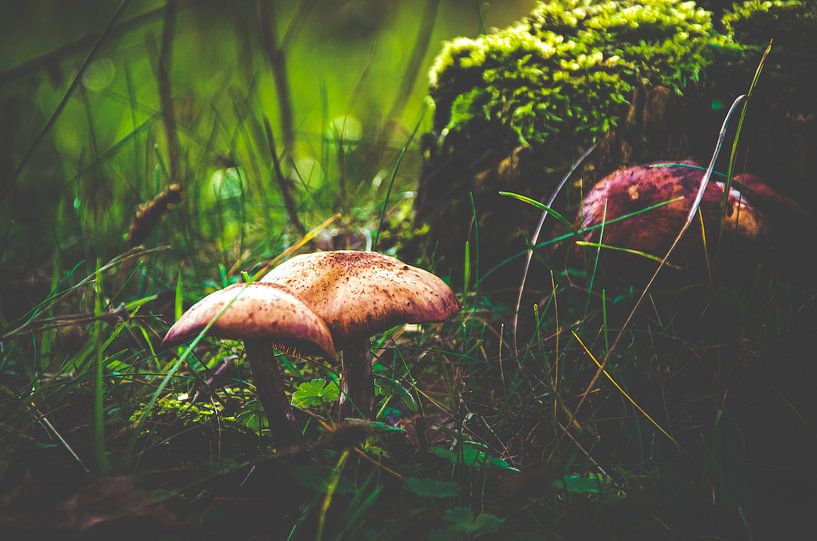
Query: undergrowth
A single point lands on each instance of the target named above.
(702, 425)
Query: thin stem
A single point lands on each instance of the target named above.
(267, 378)
(99, 382)
(284, 182)
(277, 61)
(419, 50)
(165, 92)
(356, 385)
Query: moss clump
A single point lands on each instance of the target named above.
(567, 67)
(791, 23)
(169, 409)
(218, 414)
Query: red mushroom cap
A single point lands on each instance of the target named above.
(631, 189)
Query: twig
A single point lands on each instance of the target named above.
(42, 419)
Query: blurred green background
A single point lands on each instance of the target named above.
(356, 72)
(347, 66)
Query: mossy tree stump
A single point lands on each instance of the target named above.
(514, 108)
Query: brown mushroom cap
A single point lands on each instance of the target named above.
(260, 311)
(362, 293)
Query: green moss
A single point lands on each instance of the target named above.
(181, 411)
(569, 65)
(791, 23)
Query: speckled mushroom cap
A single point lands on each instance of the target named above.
(631, 189)
(260, 311)
(362, 293)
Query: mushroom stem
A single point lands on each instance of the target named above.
(267, 377)
(357, 385)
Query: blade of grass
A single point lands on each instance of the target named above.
(639, 253)
(356, 511)
(276, 58)
(330, 491)
(690, 217)
(100, 453)
(475, 223)
(466, 273)
(285, 184)
(535, 237)
(169, 375)
(295, 247)
(165, 90)
(738, 131)
(541, 206)
(481, 13)
(624, 393)
(569, 235)
(604, 325)
(418, 53)
(705, 245)
(178, 305)
(596, 260)
(393, 175)
(43, 420)
(341, 134)
(296, 22)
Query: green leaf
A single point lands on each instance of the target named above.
(315, 393)
(252, 417)
(463, 524)
(471, 454)
(318, 478)
(431, 488)
(580, 484)
(117, 367)
(385, 427)
(382, 382)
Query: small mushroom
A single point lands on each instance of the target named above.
(359, 294)
(263, 315)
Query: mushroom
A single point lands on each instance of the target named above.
(756, 215)
(263, 315)
(359, 294)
